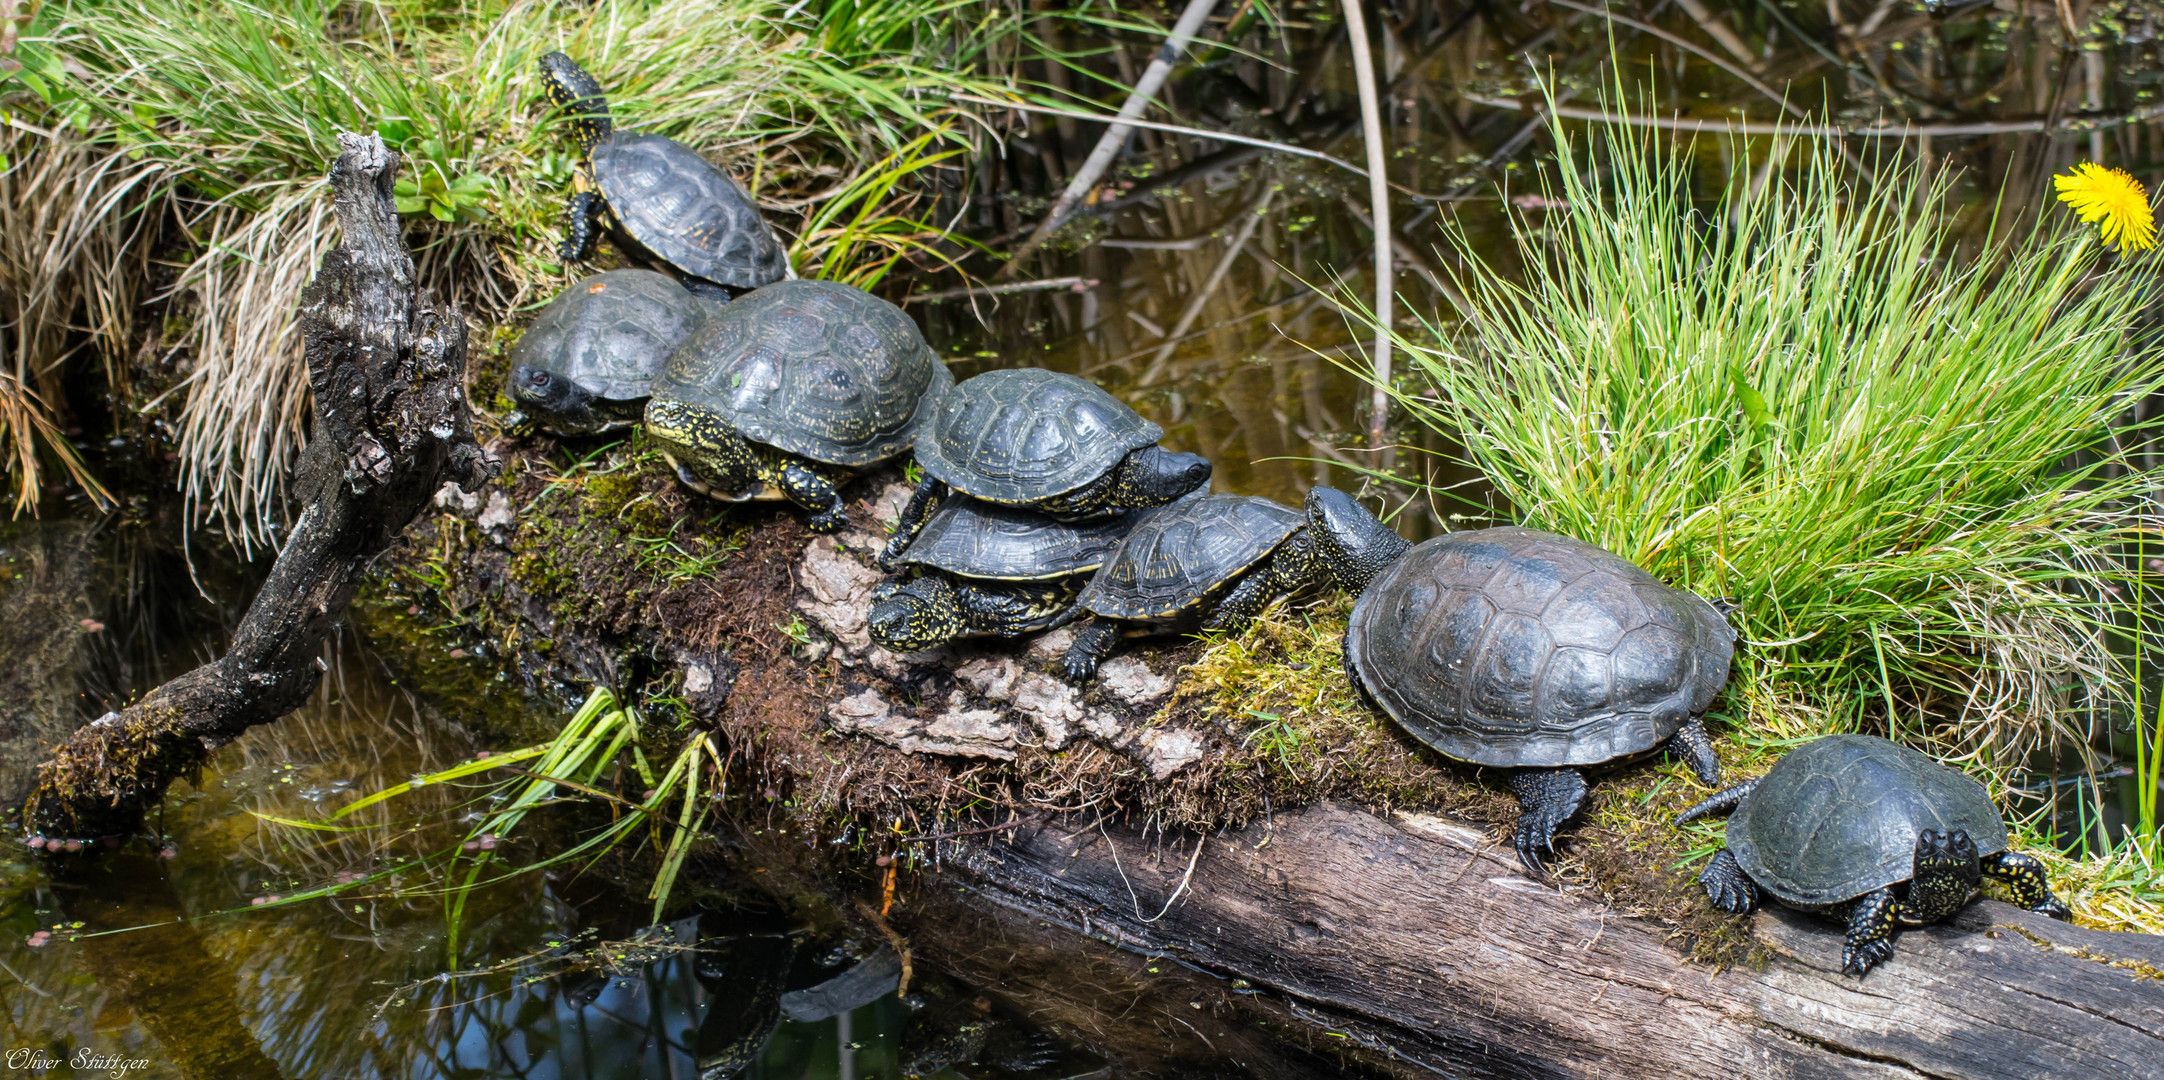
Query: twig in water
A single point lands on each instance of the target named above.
(1047, 285)
(1902, 130)
(1209, 288)
(1108, 145)
(1371, 128)
(964, 832)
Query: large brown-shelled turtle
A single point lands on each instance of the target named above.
(1873, 834)
(1206, 562)
(662, 200)
(784, 393)
(587, 363)
(1044, 441)
(986, 570)
(1523, 650)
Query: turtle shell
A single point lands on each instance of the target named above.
(686, 212)
(1838, 817)
(1512, 647)
(1179, 554)
(610, 332)
(984, 540)
(820, 369)
(1020, 435)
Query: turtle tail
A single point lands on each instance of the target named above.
(1722, 802)
(575, 92)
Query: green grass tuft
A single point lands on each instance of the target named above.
(1892, 456)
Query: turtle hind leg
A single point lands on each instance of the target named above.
(580, 226)
(2024, 877)
(1727, 885)
(1872, 918)
(1722, 802)
(1695, 747)
(1546, 799)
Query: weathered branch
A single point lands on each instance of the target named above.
(387, 365)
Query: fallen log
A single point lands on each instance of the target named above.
(1423, 940)
(386, 365)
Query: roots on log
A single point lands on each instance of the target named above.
(386, 364)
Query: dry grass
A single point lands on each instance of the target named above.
(235, 110)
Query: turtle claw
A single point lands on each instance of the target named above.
(1727, 886)
(1546, 799)
(1861, 958)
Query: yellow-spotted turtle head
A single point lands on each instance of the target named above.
(1351, 543)
(1947, 872)
(923, 614)
(575, 92)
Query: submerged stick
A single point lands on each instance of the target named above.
(1371, 128)
(1108, 146)
(387, 365)
(1174, 336)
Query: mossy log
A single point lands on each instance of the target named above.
(387, 366)
(1401, 943)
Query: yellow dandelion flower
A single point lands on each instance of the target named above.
(2113, 197)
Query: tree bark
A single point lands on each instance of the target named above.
(1418, 940)
(386, 363)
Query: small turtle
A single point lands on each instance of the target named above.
(664, 202)
(587, 363)
(950, 1027)
(781, 394)
(1209, 562)
(1524, 650)
(744, 979)
(1873, 834)
(1048, 442)
(989, 570)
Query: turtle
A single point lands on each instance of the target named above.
(783, 393)
(587, 363)
(948, 1026)
(1869, 832)
(1045, 441)
(1523, 650)
(662, 200)
(1208, 562)
(985, 569)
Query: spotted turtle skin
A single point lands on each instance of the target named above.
(608, 334)
(999, 543)
(1838, 817)
(685, 212)
(1022, 435)
(1516, 648)
(817, 369)
(1180, 555)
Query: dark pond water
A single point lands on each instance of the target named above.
(1212, 329)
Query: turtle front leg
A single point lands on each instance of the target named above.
(1872, 918)
(1546, 799)
(930, 491)
(1727, 885)
(581, 216)
(2024, 877)
(1695, 747)
(1091, 645)
(814, 491)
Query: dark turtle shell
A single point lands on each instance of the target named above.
(1838, 817)
(686, 212)
(610, 332)
(1512, 647)
(983, 540)
(1179, 554)
(1020, 435)
(822, 370)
